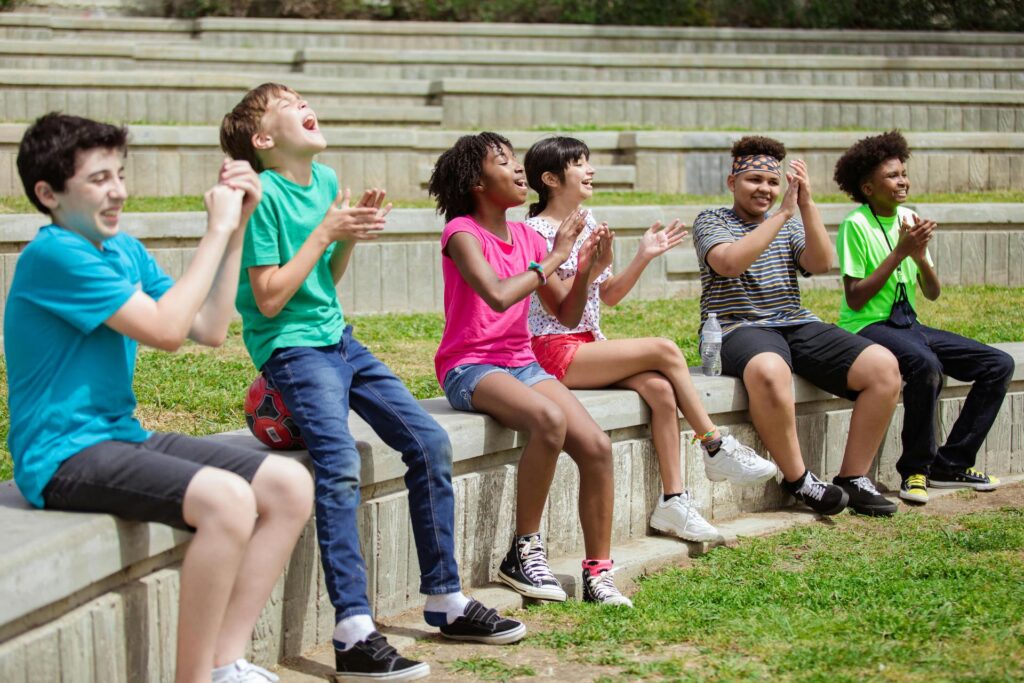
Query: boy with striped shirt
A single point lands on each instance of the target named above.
(749, 259)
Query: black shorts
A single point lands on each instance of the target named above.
(145, 481)
(819, 352)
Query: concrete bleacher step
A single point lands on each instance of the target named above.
(827, 70)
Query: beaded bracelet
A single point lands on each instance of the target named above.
(539, 269)
(705, 437)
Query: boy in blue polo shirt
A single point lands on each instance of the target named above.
(84, 294)
(298, 244)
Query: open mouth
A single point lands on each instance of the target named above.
(520, 182)
(309, 123)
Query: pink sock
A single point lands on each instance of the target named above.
(595, 567)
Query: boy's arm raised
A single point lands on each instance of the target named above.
(274, 285)
(166, 322)
(731, 259)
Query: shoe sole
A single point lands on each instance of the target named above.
(876, 511)
(553, 594)
(666, 529)
(504, 638)
(718, 478)
(961, 485)
(912, 498)
(413, 673)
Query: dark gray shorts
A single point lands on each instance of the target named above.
(144, 481)
(819, 352)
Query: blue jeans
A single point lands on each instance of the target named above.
(319, 385)
(461, 381)
(925, 354)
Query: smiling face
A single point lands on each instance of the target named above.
(93, 197)
(289, 127)
(888, 186)
(754, 193)
(502, 179)
(577, 183)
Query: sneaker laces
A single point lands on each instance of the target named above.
(740, 452)
(916, 481)
(970, 471)
(603, 585)
(813, 487)
(535, 562)
(865, 485)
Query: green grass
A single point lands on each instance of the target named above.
(200, 391)
(20, 204)
(911, 598)
(489, 669)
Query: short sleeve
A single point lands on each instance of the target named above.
(261, 244)
(460, 224)
(709, 230)
(77, 285)
(797, 243)
(851, 249)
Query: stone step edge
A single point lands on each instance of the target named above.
(637, 558)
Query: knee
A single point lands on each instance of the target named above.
(437, 447)
(885, 370)
(1003, 366)
(667, 350)
(660, 396)
(288, 491)
(224, 504)
(924, 371)
(594, 457)
(770, 375)
(548, 425)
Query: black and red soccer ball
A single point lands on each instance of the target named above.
(268, 417)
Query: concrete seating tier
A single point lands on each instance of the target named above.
(93, 599)
(401, 272)
(182, 160)
(826, 70)
(271, 33)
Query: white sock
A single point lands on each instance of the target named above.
(449, 606)
(351, 630)
(223, 673)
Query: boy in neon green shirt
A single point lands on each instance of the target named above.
(883, 255)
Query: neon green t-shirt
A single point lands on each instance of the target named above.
(861, 247)
(279, 226)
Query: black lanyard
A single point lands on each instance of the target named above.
(885, 234)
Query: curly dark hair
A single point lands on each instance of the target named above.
(550, 154)
(49, 149)
(860, 161)
(458, 169)
(757, 144)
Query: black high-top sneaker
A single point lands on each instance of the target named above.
(525, 570)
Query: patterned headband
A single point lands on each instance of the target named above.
(756, 162)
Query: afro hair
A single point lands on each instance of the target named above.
(756, 144)
(458, 169)
(860, 161)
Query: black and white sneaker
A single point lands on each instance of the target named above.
(864, 497)
(484, 625)
(825, 499)
(600, 588)
(373, 659)
(967, 477)
(525, 569)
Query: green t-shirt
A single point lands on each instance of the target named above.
(279, 226)
(861, 247)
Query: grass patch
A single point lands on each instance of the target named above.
(20, 204)
(867, 599)
(490, 669)
(200, 390)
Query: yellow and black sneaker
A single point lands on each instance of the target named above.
(915, 489)
(962, 478)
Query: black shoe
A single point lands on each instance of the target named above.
(373, 659)
(484, 625)
(825, 499)
(525, 570)
(967, 477)
(864, 497)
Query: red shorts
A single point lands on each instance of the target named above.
(555, 351)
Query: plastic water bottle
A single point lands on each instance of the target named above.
(711, 346)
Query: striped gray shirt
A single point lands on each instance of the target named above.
(767, 294)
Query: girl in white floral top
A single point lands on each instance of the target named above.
(559, 170)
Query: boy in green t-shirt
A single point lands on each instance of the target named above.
(297, 246)
(883, 254)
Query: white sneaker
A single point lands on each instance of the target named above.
(678, 516)
(602, 590)
(241, 671)
(737, 463)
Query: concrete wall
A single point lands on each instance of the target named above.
(976, 244)
(92, 599)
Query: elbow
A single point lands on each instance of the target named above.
(268, 308)
(212, 339)
(728, 270)
(170, 343)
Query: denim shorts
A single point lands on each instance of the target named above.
(461, 381)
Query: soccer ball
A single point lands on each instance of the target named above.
(268, 418)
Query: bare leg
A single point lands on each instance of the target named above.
(591, 449)
(656, 391)
(602, 364)
(769, 384)
(284, 499)
(519, 407)
(222, 508)
(876, 375)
